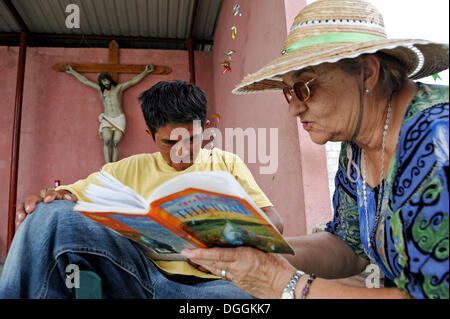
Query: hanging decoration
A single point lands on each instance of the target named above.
(236, 10)
(227, 66)
(229, 53)
(233, 32)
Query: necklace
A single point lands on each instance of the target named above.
(382, 191)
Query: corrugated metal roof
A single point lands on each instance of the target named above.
(161, 19)
(7, 22)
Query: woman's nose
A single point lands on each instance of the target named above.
(296, 107)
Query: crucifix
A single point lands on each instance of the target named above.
(112, 120)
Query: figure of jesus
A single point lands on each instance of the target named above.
(112, 120)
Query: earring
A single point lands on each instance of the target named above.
(366, 91)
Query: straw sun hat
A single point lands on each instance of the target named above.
(331, 30)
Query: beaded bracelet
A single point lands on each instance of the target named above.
(305, 290)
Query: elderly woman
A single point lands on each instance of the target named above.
(347, 82)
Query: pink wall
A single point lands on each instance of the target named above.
(299, 188)
(8, 75)
(312, 156)
(260, 37)
(59, 122)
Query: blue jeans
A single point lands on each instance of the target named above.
(54, 236)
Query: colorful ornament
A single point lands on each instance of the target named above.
(233, 32)
(227, 66)
(229, 53)
(236, 10)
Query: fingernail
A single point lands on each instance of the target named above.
(27, 208)
(47, 198)
(68, 197)
(20, 216)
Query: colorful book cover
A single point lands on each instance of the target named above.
(145, 231)
(218, 220)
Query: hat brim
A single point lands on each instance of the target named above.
(422, 58)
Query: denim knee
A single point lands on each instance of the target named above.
(47, 215)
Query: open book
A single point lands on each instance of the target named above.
(198, 209)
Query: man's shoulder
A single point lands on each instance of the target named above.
(217, 152)
(222, 158)
(136, 159)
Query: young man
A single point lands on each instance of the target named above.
(54, 236)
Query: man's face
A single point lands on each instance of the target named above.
(106, 83)
(179, 143)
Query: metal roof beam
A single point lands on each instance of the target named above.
(103, 37)
(12, 9)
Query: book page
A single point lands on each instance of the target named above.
(112, 196)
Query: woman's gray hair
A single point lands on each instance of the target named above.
(392, 76)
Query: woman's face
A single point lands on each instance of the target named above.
(331, 113)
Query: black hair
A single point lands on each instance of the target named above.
(107, 76)
(173, 102)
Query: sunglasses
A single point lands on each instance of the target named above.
(301, 89)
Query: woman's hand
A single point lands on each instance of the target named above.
(262, 275)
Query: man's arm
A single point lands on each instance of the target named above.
(125, 85)
(81, 78)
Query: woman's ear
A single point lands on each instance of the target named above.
(370, 72)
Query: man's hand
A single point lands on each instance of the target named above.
(68, 68)
(31, 201)
(149, 68)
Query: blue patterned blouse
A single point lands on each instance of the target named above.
(411, 243)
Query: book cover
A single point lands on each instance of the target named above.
(218, 220)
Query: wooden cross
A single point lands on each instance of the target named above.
(113, 67)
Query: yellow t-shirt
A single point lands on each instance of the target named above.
(145, 172)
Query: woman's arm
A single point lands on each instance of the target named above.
(265, 275)
(325, 255)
